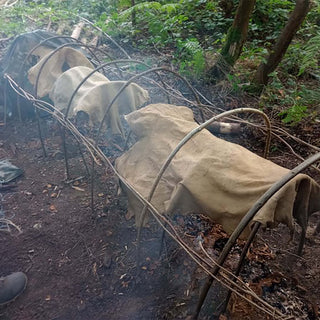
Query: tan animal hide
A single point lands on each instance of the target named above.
(53, 68)
(95, 95)
(208, 175)
(67, 83)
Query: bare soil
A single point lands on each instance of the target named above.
(81, 265)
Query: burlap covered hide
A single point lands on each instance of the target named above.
(23, 53)
(66, 84)
(95, 95)
(208, 175)
(14, 61)
(64, 58)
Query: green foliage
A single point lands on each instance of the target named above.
(294, 114)
(190, 57)
(162, 23)
(235, 82)
(268, 20)
(179, 25)
(311, 55)
(293, 101)
(22, 18)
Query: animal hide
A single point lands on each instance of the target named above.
(95, 95)
(68, 81)
(54, 67)
(14, 60)
(208, 175)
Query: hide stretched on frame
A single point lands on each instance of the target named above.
(208, 175)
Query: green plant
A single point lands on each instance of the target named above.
(294, 114)
(294, 102)
(163, 23)
(190, 57)
(235, 82)
(24, 17)
(311, 54)
(268, 19)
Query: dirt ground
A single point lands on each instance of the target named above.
(81, 265)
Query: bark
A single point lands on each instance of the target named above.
(225, 128)
(237, 34)
(296, 18)
(227, 7)
(236, 37)
(133, 14)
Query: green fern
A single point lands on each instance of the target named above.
(191, 59)
(311, 54)
(153, 5)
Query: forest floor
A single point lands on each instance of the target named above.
(81, 264)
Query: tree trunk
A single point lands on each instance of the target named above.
(236, 37)
(133, 14)
(227, 7)
(299, 13)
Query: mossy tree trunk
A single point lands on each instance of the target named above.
(299, 13)
(236, 37)
(227, 6)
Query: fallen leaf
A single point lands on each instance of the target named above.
(52, 208)
(77, 188)
(13, 148)
(37, 226)
(107, 260)
(109, 233)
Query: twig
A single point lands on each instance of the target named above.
(9, 223)
(103, 32)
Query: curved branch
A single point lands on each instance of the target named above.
(138, 76)
(185, 140)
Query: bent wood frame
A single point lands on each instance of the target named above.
(245, 221)
(251, 213)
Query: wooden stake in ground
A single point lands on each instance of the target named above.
(77, 30)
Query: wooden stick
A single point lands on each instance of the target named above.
(77, 30)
